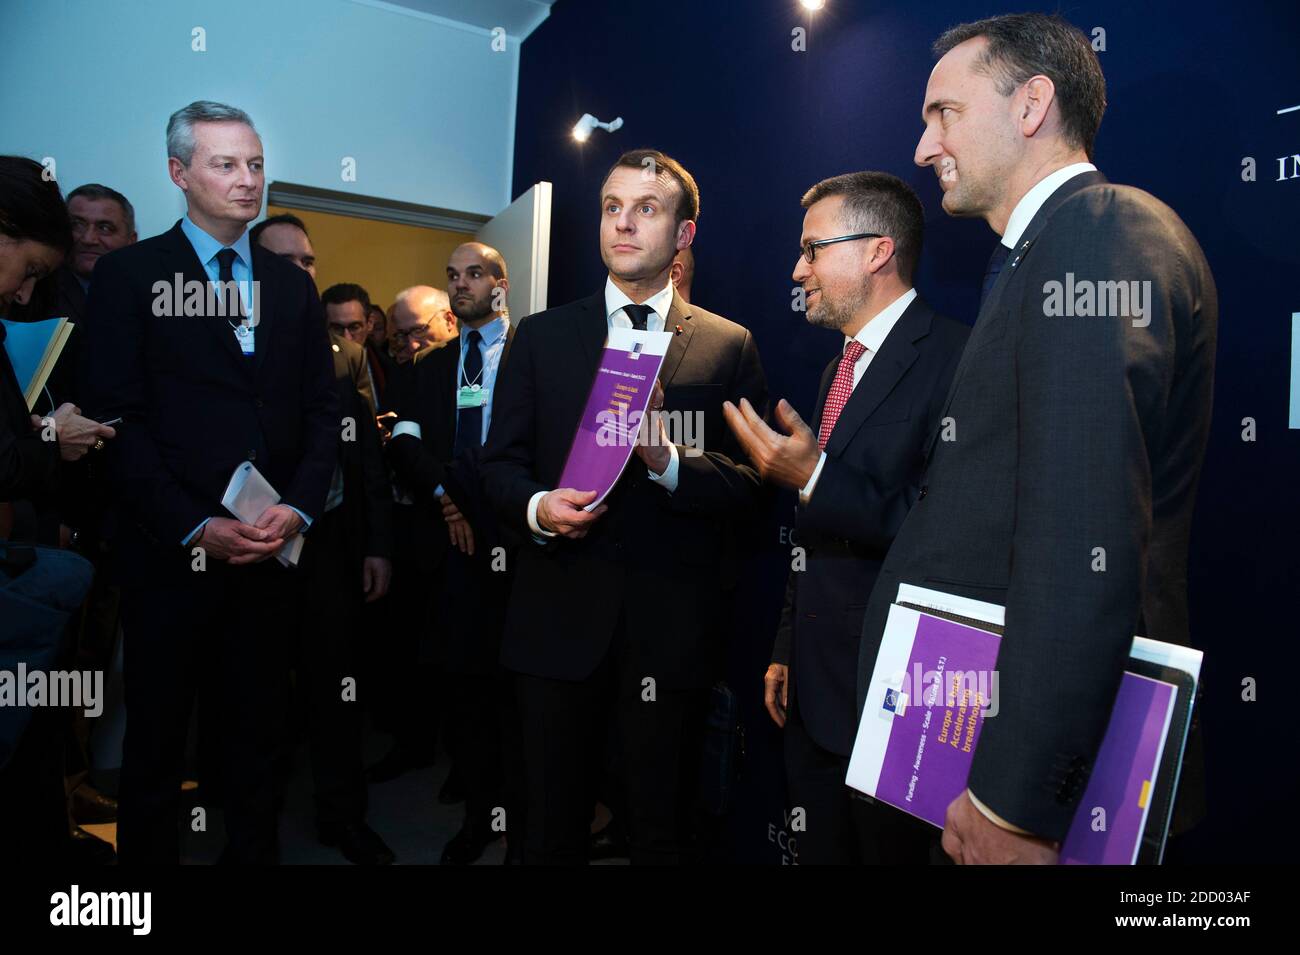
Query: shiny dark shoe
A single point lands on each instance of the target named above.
(359, 843)
(465, 847)
(452, 791)
(91, 807)
(85, 849)
(397, 762)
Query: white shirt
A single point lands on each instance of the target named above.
(615, 317)
(1033, 200)
(870, 336)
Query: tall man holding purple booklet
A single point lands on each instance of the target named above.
(617, 613)
(1065, 493)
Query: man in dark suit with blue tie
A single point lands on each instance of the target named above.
(436, 448)
(214, 353)
(857, 470)
(1081, 411)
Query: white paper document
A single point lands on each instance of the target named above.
(249, 494)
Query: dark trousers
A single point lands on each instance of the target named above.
(563, 732)
(96, 640)
(843, 827)
(325, 657)
(221, 635)
(474, 716)
(39, 590)
(481, 717)
(401, 656)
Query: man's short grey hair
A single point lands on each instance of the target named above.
(180, 127)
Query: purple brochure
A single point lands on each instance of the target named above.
(934, 684)
(1107, 827)
(618, 399)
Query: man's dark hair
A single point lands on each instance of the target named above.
(347, 292)
(31, 206)
(881, 203)
(284, 218)
(688, 202)
(93, 190)
(1022, 45)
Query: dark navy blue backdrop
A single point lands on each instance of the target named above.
(1194, 90)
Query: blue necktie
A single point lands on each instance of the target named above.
(232, 304)
(469, 421)
(996, 261)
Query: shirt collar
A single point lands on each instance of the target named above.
(1033, 200)
(491, 331)
(872, 335)
(206, 247)
(661, 301)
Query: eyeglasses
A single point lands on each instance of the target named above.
(809, 249)
(419, 331)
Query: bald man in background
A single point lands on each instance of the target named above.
(422, 322)
(422, 319)
(435, 450)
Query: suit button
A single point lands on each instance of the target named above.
(252, 455)
(925, 489)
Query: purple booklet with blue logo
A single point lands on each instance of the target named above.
(936, 681)
(619, 397)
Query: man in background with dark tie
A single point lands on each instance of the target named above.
(616, 613)
(435, 450)
(214, 353)
(857, 470)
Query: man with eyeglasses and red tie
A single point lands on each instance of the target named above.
(857, 471)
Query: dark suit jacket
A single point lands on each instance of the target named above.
(655, 563)
(193, 407)
(1072, 433)
(470, 610)
(367, 506)
(872, 473)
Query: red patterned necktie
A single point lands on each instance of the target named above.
(841, 388)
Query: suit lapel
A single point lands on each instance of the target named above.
(992, 312)
(678, 315)
(896, 355)
(181, 258)
(591, 328)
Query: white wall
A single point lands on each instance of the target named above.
(426, 107)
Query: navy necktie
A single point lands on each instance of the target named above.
(996, 261)
(638, 314)
(232, 305)
(469, 421)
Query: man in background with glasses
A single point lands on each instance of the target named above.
(422, 319)
(857, 470)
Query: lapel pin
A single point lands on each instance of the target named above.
(679, 329)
